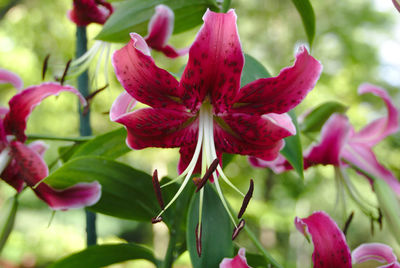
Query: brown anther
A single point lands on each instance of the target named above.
(156, 220)
(347, 223)
(237, 230)
(380, 218)
(65, 72)
(208, 174)
(198, 239)
(246, 199)
(45, 64)
(157, 189)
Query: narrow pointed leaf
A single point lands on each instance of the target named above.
(7, 219)
(318, 116)
(103, 255)
(293, 151)
(134, 15)
(216, 230)
(306, 11)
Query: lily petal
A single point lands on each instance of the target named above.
(33, 170)
(334, 135)
(239, 261)
(282, 93)
(380, 128)
(363, 157)
(330, 247)
(215, 63)
(142, 79)
(22, 104)
(375, 251)
(121, 106)
(159, 127)
(278, 165)
(85, 12)
(12, 78)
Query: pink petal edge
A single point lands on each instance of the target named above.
(239, 261)
(160, 27)
(375, 251)
(12, 78)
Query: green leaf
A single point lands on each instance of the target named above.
(7, 219)
(317, 117)
(252, 70)
(103, 255)
(293, 151)
(306, 11)
(134, 15)
(110, 145)
(216, 230)
(126, 192)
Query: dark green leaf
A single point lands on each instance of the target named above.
(292, 150)
(7, 219)
(256, 260)
(317, 117)
(103, 255)
(227, 158)
(252, 70)
(66, 152)
(216, 230)
(134, 15)
(110, 145)
(306, 11)
(126, 192)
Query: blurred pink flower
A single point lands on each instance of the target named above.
(330, 246)
(340, 142)
(85, 12)
(160, 30)
(22, 164)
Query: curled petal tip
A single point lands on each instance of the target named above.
(140, 44)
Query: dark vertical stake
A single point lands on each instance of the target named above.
(84, 124)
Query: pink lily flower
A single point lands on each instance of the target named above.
(206, 113)
(160, 30)
(22, 164)
(396, 4)
(239, 261)
(330, 246)
(340, 142)
(85, 12)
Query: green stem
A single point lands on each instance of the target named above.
(169, 255)
(265, 253)
(84, 124)
(54, 138)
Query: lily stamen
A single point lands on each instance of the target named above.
(207, 175)
(237, 230)
(246, 199)
(157, 189)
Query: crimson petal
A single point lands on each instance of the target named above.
(85, 12)
(282, 93)
(22, 104)
(32, 169)
(142, 79)
(239, 261)
(159, 127)
(215, 63)
(330, 247)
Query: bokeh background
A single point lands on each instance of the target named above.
(356, 41)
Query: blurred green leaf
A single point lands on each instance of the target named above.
(102, 255)
(293, 151)
(306, 11)
(111, 145)
(252, 70)
(256, 260)
(126, 192)
(216, 230)
(317, 117)
(7, 219)
(134, 15)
